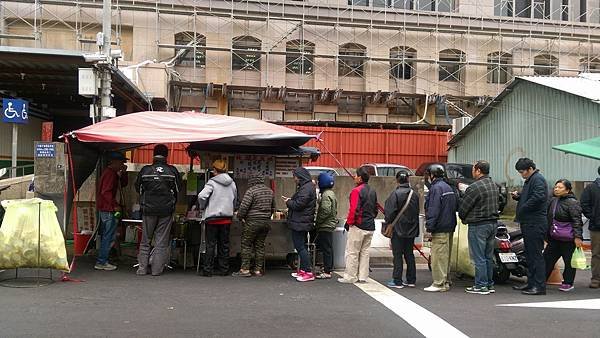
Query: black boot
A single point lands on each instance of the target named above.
(534, 291)
(521, 287)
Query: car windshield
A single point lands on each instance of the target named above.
(316, 172)
(459, 171)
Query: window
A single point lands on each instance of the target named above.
(358, 2)
(498, 70)
(402, 68)
(380, 3)
(186, 56)
(503, 8)
(545, 64)
(352, 60)
(523, 8)
(246, 53)
(402, 4)
(451, 68)
(590, 65)
(445, 5)
(541, 9)
(300, 61)
(426, 5)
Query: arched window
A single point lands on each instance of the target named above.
(590, 64)
(545, 64)
(401, 66)
(452, 65)
(352, 60)
(299, 58)
(498, 70)
(246, 53)
(185, 56)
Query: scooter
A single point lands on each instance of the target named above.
(509, 255)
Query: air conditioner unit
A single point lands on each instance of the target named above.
(459, 123)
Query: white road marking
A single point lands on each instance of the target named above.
(584, 304)
(427, 323)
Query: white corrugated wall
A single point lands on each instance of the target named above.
(527, 123)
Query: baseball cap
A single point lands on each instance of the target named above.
(117, 155)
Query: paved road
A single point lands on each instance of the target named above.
(120, 304)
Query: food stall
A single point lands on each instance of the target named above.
(249, 146)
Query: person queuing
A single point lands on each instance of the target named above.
(218, 200)
(440, 214)
(566, 231)
(301, 219)
(479, 208)
(326, 222)
(531, 214)
(360, 224)
(403, 213)
(590, 204)
(114, 177)
(256, 209)
(158, 185)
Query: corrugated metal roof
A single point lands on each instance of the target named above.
(585, 85)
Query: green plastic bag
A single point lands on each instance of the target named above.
(578, 260)
(31, 237)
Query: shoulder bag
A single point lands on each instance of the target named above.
(388, 229)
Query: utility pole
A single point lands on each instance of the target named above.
(105, 90)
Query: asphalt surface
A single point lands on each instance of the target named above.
(121, 304)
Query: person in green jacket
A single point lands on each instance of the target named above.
(326, 223)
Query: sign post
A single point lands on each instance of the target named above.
(14, 111)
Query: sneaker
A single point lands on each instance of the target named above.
(594, 284)
(434, 288)
(409, 285)
(141, 271)
(323, 275)
(307, 277)
(345, 281)
(241, 274)
(477, 290)
(361, 281)
(298, 273)
(566, 287)
(105, 267)
(394, 285)
(492, 289)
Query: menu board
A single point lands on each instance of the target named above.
(284, 167)
(248, 165)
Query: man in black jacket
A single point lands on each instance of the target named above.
(479, 209)
(405, 230)
(531, 213)
(301, 220)
(590, 204)
(158, 185)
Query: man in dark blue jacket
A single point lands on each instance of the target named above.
(531, 214)
(440, 213)
(590, 204)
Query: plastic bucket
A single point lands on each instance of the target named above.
(80, 241)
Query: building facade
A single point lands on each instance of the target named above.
(381, 61)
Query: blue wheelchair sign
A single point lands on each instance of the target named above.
(15, 111)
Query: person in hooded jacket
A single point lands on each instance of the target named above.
(257, 207)
(563, 208)
(158, 185)
(405, 230)
(590, 204)
(326, 222)
(301, 219)
(219, 201)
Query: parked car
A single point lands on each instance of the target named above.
(315, 171)
(385, 169)
(460, 175)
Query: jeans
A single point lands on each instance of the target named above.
(555, 250)
(403, 247)
(441, 246)
(109, 227)
(299, 239)
(482, 240)
(324, 242)
(217, 235)
(533, 236)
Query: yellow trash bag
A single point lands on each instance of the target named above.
(19, 236)
(460, 260)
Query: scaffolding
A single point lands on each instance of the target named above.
(465, 51)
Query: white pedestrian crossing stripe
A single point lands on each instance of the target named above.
(427, 323)
(583, 304)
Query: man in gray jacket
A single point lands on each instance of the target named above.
(218, 200)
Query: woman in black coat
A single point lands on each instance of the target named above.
(564, 211)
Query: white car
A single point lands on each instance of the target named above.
(386, 169)
(315, 171)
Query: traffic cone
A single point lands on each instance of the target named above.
(555, 277)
